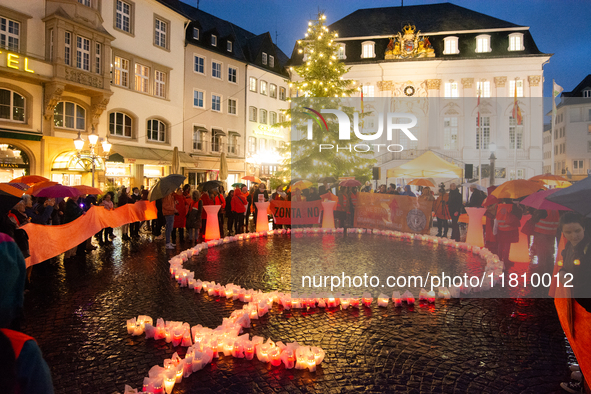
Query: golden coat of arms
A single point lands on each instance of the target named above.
(409, 45)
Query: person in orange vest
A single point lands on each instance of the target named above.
(30, 370)
(239, 208)
(219, 199)
(545, 238)
(508, 221)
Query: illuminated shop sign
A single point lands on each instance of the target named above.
(12, 60)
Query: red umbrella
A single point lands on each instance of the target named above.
(58, 191)
(18, 185)
(29, 179)
(350, 183)
(83, 189)
(538, 201)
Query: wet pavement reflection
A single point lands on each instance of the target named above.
(77, 311)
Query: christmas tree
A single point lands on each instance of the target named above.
(321, 76)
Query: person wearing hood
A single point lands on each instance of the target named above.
(238, 208)
(30, 373)
(408, 192)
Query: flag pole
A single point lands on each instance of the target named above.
(480, 142)
(515, 131)
(552, 130)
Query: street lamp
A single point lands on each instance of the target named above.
(93, 139)
(492, 147)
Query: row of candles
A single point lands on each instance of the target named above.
(204, 344)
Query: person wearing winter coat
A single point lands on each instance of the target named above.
(440, 206)
(194, 216)
(23, 368)
(239, 208)
(455, 206)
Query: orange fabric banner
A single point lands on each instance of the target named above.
(581, 341)
(46, 242)
(392, 212)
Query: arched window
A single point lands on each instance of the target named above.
(367, 49)
(12, 106)
(450, 46)
(120, 124)
(68, 115)
(156, 130)
(516, 42)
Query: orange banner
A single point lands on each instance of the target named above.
(46, 242)
(391, 212)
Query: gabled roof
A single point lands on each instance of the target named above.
(585, 84)
(428, 18)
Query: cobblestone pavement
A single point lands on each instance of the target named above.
(77, 311)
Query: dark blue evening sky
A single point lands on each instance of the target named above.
(561, 27)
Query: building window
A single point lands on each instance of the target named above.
(160, 33)
(368, 92)
(520, 174)
(214, 40)
(519, 84)
(450, 45)
(232, 106)
(588, 146)
(232, 148)
(483, 43)
(483, 88)
(263, 116)
(515, 131)
(160, 80)
(516, 42)
(229, 46)
(120, 124)
(142, 78)
(450, 133)
(252, 114)
(252, 144)
(121, 75)
(216, 70)
(367, 49)
(264, 87)
(264, 59)
(271, 61)
(123, 16)
(216, 103)
(341, 51)
(216, 141)
(197, 99)
(262, 144)
(272, 90)
(281, 93)
(232, 72)
(12, 106)
(587, 93)
(484, 129)
(253, 84)
(199, 65)
(156, 130)
(195, 33)
(97, 58)
(578, 167)
(68, 115)
(84, 2)
(68, 48)
(272, 118)
(197, 138)
(451, 90)
(83, 53)
(9, 34)
(281, 117)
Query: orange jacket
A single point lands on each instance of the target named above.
(440, 207)
(238, 202)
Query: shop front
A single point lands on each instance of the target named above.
(135, 166)
(14, 163)
(71, 169)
